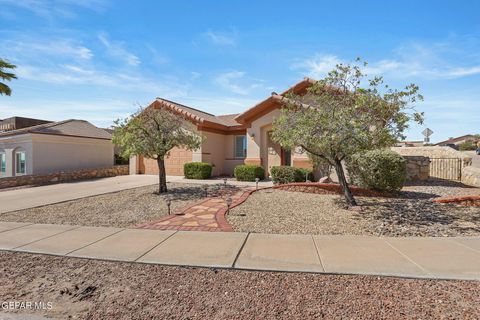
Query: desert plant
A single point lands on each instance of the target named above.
(343, 114)
(153, 132)
(248, 172)
(381, 170)
(197, 170)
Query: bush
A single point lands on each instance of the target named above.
(381, 170)
(467, 146)
(287, 174)
(301, 175)
(197, 170)
(248, 172)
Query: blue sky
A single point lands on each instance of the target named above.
(98, 59)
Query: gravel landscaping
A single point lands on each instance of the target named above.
(92, 289)
(120, 209)
(411, 214)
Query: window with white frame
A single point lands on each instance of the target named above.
(20, 162)
(240, 146)
(3, 163)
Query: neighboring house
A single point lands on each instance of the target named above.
(454, 142)
(53, 147)
(231, 140)
(14, 123)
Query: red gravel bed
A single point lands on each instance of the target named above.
(327, 188)
(90, 289)
(462, 200)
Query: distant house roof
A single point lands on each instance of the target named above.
(71, 127)
(14, 123)
(457, 139)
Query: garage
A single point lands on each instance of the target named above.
(173, 164)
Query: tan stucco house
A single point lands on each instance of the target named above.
(53, 147)
(230, 139)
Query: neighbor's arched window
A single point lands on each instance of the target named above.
(20, 162)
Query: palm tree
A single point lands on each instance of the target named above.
(4, 89)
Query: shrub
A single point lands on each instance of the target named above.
(381, 170)
(197, 170)
(248, 172)
(287, 174)
(468, 145)
(301, 175)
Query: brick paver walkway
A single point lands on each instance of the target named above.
(206, 215)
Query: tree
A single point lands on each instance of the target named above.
(153, 132)
(339, 116)
(6, 76)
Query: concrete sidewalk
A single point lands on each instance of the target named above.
(25, 198)
(436, 258)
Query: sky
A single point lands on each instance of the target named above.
(100, 60)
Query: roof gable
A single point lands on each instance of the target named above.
(273, 102)
(198, 117)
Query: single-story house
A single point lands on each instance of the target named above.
(54, 147)
(231, 139)
(452, 142)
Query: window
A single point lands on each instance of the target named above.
(20, 167)
(240, 146)
(3, 164)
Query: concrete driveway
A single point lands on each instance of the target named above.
(18, 199)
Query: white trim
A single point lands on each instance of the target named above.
(16, 153)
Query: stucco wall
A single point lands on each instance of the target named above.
(213, 151)
(255, 135)
(61, 153)
(9, 145)
(219, 150)
(230, 161)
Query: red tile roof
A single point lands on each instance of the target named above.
(229, 122)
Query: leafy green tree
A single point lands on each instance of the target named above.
(153, 132)
(6, 76)
(343, 114)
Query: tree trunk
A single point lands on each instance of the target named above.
(162, 179)
(343, 182)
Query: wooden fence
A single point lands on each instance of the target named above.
(446, 168)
